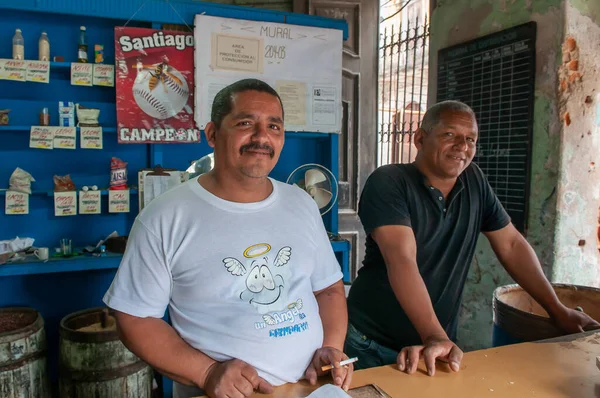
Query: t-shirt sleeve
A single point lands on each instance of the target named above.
(383, 200)
(142, 285)
(327, 270)
(494, 215)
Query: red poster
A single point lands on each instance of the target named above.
(155, 86)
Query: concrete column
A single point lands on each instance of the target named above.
(576, 251)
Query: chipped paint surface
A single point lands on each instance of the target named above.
(576, 258)
(565, 185)
(588, 8)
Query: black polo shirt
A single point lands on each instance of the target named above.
(446, 232)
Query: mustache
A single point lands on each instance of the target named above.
(253, 146)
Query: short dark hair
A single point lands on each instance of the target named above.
(223, 102)
(434, 114)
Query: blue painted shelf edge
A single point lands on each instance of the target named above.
(28, 128)
(54, 265)
(113, 129)
(60, 65)
(89, 263)
(57, 65)
(104, 192)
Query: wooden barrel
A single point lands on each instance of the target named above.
(519, 318)
(23, 371)
(94, 362)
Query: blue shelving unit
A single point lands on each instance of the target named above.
(111, 261)
(65, 285)
(61, 264)
(113, 130)
(103, 192)
(6, 129)
(64, 66)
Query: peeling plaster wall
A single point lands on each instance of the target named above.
(589, 8)
(456, 21)
(576, 258)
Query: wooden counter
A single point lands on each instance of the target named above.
(554, 369)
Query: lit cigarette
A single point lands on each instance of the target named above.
(343, 363)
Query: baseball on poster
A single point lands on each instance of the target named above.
(155, 86)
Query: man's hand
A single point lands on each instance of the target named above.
(573, 321)
(341, 375)
(234, 379)
(436, 348)
(521, 262)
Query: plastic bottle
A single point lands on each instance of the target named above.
(45, 117)
(18, 45)
(44, 48)
(82, 55)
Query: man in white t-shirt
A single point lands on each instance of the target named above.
(243, 263)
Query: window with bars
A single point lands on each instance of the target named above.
(403, 69)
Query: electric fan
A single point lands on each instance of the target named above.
(202, 165)
(319, 182)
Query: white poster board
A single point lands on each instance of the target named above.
(304, 65)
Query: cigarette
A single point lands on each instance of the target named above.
(343, 363)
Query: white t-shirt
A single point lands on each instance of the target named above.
(238, 278)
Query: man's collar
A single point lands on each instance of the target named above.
(458, 185)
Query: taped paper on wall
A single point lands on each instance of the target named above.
(304, 65)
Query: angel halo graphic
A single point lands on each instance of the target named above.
(266, 288)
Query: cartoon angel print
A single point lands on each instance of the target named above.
(266, 288)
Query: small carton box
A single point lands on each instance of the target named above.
(66, 114)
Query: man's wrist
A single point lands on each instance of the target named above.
(556, 310)
(205, 375)
(339, 347)
(434, 335)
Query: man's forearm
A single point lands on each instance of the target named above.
(334, 315)
(522, 264)
(411, 292)
(159, 345)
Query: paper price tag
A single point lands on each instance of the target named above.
(81, 74)
(104, 75)
(118, 201)
(64, 137)
(90, 137)
(89, 202)
(65, 203)
(14, 70)
(41, 137)
(16, 203)
(38, 71)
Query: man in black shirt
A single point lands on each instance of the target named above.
(422, 222)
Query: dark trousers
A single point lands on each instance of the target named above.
(369, 353)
